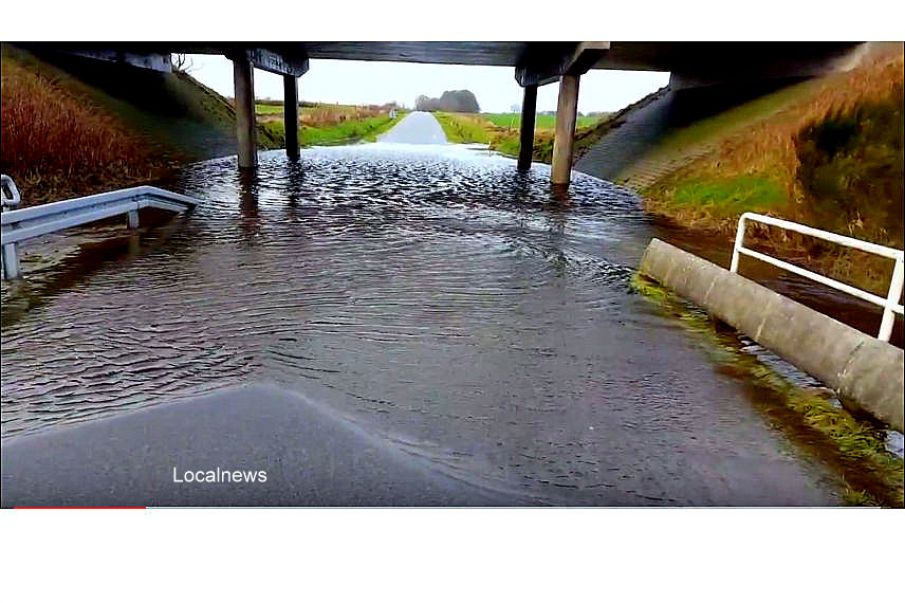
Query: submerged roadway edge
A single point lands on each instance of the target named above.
(863, 370)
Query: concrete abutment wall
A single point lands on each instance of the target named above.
(865, 372)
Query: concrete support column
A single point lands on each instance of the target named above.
(291, 115)
(526, 134)
(246, 127)
(564, 141)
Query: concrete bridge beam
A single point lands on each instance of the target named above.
(246, 126)
(155, 61)
(526, 132)
(281, 61)
(549, 62)
(564, 136)
(291, 115)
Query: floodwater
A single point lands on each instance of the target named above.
(443, 303)
(418, 127)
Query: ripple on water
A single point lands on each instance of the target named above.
(447, 301)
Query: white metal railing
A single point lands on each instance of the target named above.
(890, 304)
(20, 225)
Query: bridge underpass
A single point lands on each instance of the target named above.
(691, 64)
(522, 370)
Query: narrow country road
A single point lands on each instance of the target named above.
(418, 127)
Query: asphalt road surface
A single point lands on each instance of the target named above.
(418, 127)
(310, 456)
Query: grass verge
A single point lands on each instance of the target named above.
(465, 128)
(542, 121)
(332, 125)
(827, 153)
(486, 128)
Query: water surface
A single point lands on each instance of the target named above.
(431, 295)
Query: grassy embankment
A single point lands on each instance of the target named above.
(828, 153)
(501, 131)
(326, 124)
(75, 126)
(56, 143)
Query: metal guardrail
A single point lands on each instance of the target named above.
(890, 304)
(8, 192)
(20, 225)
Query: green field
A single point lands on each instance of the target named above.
(500, 131)
(542, 121)
(350, 131)
(465, 128)
(342, 133)
(268, 109)
(502, 120)
(324, 124)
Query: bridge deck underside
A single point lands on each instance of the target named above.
(641, 56)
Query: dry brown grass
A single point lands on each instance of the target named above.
(325, 116)
(771, 143)
(770, 151)
(56, 144)
(768, 146)
(331, 115)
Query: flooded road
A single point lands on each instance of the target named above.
(418, 127)
(431, 296)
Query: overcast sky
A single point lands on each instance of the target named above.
(367, 82)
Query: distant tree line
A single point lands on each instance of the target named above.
(456, 101)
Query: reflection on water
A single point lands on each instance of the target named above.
(450, 303)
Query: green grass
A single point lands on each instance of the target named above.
(349, 131)
(269, 109)
(501, 120)
(463, 128)
(541, 122)
(343, 133)
(858, 498)
(856, 449)
(492, 129)
(509, 146)
(730, 196)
